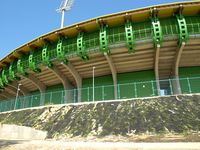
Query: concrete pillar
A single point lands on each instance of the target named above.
(176, 85)
(175, 82)
(156, 69)
(76, 76)
(114, 73)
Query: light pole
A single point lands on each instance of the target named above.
(18, 89)
(93, 82)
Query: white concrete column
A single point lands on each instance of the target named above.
(66, 84)
(156, 68)
(175, 70)
(76, 76)
(114, 73)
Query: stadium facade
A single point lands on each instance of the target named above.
(139, 53)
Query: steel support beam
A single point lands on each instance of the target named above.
(11, 90)
(7, 95)
(38, 84)
(76, 76)
(156, 68)
(2, 97)
(66, 64)
(114, 73)
(65, 82)
(23, 90)
(182, 39)
(175, 70)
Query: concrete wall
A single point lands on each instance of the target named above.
(20, 132)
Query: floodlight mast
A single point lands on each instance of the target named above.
(65, 5)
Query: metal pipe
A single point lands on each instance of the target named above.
(62, 19)
(93, 82)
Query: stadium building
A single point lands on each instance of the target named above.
(145, 52)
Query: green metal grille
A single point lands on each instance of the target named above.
(116, 34)
(169, 27)
(142, 30)
(70, 47)
(105, 92)
(91, 40)
(193, 24)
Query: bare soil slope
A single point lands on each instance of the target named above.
(130, 120)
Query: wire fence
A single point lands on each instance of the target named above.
(106, 92)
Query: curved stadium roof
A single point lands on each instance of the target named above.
(83, 40)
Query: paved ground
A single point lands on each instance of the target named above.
(60, 145)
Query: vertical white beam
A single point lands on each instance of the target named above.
(175, 70)
(93, 69)
(156, 68)
(114, 73)
(76, 76)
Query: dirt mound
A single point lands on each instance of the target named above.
(159, 115)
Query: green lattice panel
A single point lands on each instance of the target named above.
(20, 68)
(193, 24)
(157, 32)
(1, 83)
(60, 53)
(182, 26)
(32, 64)
(12, 75)
(81, 51)
(103, 39)
(45, 56)
(4, 76)
(129, 37)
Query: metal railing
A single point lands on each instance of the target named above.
(103, 93)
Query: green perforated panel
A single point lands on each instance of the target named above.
(45, 56)
(32, 63)
(1, 83)
(130, 40)
(157, 32)
(182, 28)
(103, 40)
(60, 53)
(20, 68)
(12, 75)
(5, 76)
(81, 51)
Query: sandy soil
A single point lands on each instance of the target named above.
(63, 145)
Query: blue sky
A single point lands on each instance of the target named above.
(24, 20)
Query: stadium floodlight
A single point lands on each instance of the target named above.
(65, 5)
